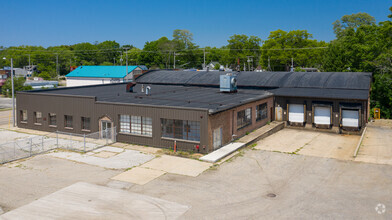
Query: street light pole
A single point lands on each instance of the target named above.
(126, 54)
(13, 98)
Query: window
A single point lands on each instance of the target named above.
(244, 118)
(125, 123)
(85, 123)
(147, 126)
(261, 112)
(23, 116)
(52, 119)
(179, 129)
(68, 121)
(37, 117)
(136, 125)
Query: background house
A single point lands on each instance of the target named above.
(93, 75)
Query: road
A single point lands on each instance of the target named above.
(5, 117)
(5, 103)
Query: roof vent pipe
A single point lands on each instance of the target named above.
(148, 88)
(130, 86)
(208, 68)
(142, 88)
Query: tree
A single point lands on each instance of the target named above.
(183, 38)
(282, 46)
(363, 46)
(85, 52)
(109, 51)
(150, 55)
(353, 21)
(6, 89)
(242, 46)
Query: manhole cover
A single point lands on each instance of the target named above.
(272, 195)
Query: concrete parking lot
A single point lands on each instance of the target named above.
(376, 146)
(311, 143)
(254, 184)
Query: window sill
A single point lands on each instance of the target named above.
(37, 123)
(53, 126)
(68, 128)
(139, 135)
(180, 140)
(23, 122)
(243, 127)
(86, 130)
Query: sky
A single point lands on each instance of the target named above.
(212, 22)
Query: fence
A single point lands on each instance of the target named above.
(28, 147)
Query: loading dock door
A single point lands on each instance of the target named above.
(322, 115)
(296, 113)
(350, 118)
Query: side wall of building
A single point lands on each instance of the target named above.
(79, 107)
(86, 81)
(227, 120)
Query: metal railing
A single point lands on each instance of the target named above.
(83, 143)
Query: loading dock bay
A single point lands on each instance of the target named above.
(311, 143)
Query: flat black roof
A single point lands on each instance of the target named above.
(322, 80)
(207, 98)
(334, 85)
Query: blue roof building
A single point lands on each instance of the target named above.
(93, 75)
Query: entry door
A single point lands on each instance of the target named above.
(278, 113)
(296, 113)
(106, 129)
(217, 137)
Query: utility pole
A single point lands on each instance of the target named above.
(121, 59)
(244, 67)
(13, 98)
(12, 88)
(204, 65)
(114, 61)
(292, 65)
(174, 67)
(29, 62)
(250, 59)
(126, 54)
(57, 64)
(269, 65)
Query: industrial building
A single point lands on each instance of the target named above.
(200, 110)
(338, 101)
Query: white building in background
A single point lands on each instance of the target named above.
(93, 75)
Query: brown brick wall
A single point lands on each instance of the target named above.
(228, 121)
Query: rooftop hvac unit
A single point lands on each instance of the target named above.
(228, 83)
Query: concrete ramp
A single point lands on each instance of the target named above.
(88, 201)
(254, 136)
(222, 152)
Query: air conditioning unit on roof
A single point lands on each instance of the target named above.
(228, 83)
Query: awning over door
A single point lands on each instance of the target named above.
(296, 113)
(322, 115)
(350, 118)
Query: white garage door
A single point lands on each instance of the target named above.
(296, 113)
(350, 118)
(322, 115)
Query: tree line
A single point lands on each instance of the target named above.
(361, 45)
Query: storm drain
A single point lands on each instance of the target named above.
(271, 195)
